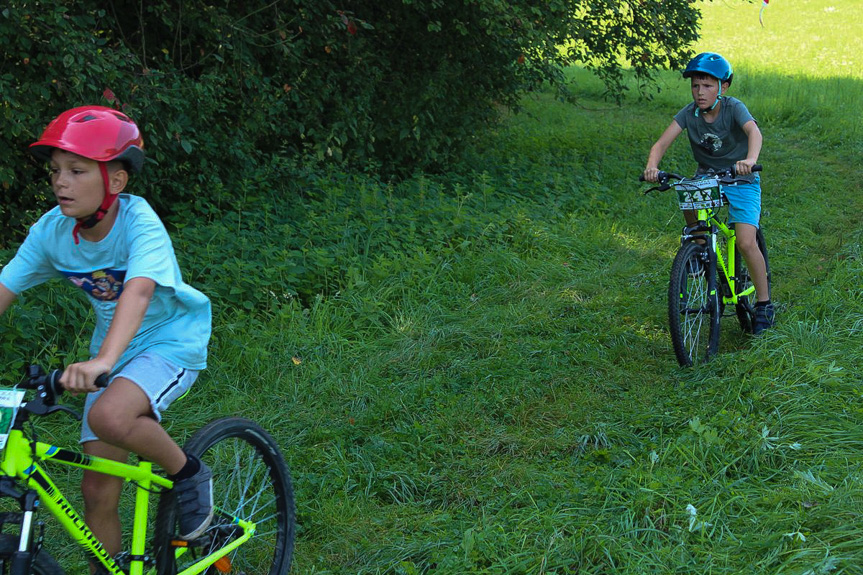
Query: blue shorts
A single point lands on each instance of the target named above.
(158, 378)
(744, 202)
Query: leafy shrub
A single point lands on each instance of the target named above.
(219, 88)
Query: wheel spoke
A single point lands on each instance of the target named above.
(691, 310)
(251, 483)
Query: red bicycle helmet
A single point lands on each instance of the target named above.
(97, 133)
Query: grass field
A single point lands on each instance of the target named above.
(495, 390)
(511, 405)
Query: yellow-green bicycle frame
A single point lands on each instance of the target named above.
(22, 457)
(725, 262)
(705, 197)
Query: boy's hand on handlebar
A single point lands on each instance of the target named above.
(80, 377)
(650, 175)
(744, 167)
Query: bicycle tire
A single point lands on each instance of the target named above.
(43, 563)
(693, 311)
(745, 308)
(251, 481)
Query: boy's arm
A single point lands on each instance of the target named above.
(744, 167)
(658, 150)
(131, 307)
(6, 298)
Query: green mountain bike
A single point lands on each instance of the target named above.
(252, 531)
(708, 276)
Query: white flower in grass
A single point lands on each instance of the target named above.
(694, 523)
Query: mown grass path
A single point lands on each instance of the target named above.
(516, 407)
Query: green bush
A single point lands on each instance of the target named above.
(219, 88)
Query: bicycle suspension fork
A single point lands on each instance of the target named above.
(28, 501)
(705, 229)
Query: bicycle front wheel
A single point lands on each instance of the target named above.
(745, 308)
(42, 563)
(251, 482)
(693, 310)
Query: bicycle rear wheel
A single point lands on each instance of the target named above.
(251, 482)
(693, 310)
(745, 308)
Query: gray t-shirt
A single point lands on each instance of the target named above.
(719, 144)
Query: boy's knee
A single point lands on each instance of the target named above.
(107, 424)
(747, 245)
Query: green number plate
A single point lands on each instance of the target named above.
(699, 194)
(10, 401)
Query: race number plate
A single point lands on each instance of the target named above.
(10, 401)
(699, 194)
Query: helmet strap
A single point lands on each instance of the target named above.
(96, 217)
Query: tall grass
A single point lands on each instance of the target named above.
(493, 389)
(528, 416)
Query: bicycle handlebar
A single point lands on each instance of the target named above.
(725, 176)
(50, 382)
(48, 389)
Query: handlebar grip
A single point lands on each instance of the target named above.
(757, 167)
(53, 380)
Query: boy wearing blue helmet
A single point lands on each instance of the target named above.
(723, 133)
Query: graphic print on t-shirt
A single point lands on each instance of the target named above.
(711, 143)
(104, 285)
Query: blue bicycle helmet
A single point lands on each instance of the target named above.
(711, 64)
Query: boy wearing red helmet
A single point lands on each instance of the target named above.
(152, 329)
(723, 133)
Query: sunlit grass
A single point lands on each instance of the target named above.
(800, 38)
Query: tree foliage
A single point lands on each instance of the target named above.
(218, 87)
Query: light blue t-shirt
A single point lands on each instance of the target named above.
(178, 319)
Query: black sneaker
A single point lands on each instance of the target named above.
(195, 503)
(764, 315)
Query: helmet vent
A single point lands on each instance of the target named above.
(86, 118)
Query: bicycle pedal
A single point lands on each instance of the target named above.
(199, 542)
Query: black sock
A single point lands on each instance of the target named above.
(191, 467)
(762, 303)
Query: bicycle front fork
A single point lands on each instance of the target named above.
(698, 231)
(25, 520)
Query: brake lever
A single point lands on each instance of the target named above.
(40, 406)
(66, 408)
(664, 183)
(664, 180)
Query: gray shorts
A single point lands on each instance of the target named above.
(158, 378)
